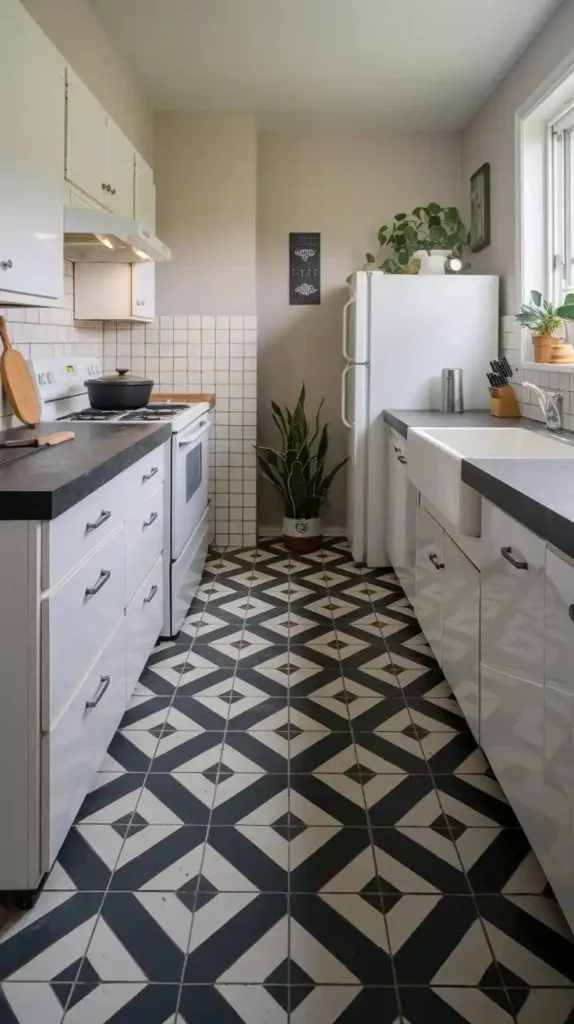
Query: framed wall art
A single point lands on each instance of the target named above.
(480, 208)
(304, 268)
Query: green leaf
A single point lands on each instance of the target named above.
(382, 235)
(417, 212)
(434, 222)
(400, 216)
(370, 258)
(569, 298)
(432, 209)
(566, 312)
(403, 258)
(536, 298)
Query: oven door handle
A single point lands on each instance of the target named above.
(202, 428)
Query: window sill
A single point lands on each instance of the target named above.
(552, 367)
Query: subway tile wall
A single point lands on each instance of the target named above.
(49, 333)
(510, 346)
(208, 354)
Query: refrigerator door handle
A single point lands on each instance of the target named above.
(346, 354)
(348, 368)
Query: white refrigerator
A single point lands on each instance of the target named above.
(399, 332)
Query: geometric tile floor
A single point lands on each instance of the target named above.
(292, 824)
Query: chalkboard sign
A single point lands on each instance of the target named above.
(304, 269)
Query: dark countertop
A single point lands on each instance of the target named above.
(49, 482)
(539, 493)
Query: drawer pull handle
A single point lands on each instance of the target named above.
(518, 563)
(149, 476)
(103, 685)
(396, 448)
(102, 580)
(402, 459)
(152, 519)
(433, 557)
(102, 518)
(151, 594)
(571, 612)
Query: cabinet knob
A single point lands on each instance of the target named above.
(6, 265)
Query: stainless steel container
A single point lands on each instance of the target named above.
(452, 395)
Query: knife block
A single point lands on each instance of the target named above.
(503, 402)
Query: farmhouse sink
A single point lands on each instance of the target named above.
(435, 455)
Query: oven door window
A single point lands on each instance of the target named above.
(193, 471)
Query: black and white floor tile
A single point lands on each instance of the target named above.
(293, 823)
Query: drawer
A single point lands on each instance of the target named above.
(69, 538)
(145, 539)
(512, 596)
(73, 751)
(144, 476)
(144, 617)
(559, 622)
(76, 620)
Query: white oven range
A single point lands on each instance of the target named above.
(63, 394)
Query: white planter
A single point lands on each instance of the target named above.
(302, 534)
(433, 263)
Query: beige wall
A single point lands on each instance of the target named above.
(490, 137)
(205, 174)
(75, 31)
(345, 186)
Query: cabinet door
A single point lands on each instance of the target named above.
(429, 580)
(394, 494)
(557, 855)
(143, 290)
(512, 596)
(144, 209)
(86, 142)
(461, 630)
(512, 736)
(32, 117)
(120, 171)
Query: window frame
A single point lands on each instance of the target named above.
(560, 210)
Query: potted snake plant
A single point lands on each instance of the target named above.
(297, 471)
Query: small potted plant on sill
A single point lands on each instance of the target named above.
(297, 472)
(422, 241)
(541, 319)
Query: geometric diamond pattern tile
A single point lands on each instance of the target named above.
(293, 824)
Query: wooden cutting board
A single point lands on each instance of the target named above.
(18, 381)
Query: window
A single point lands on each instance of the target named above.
(562, 204)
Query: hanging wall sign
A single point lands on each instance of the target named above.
(304, 269)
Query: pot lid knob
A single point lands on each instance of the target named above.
(122, 371)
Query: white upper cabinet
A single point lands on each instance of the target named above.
(32, 117)
(99, 157)
(86, 141)
(120, 172)
(144, 210)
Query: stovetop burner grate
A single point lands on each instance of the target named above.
(154, 412)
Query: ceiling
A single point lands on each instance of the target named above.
(411, 64)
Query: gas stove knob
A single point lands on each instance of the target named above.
(50, 378)
(41, 378)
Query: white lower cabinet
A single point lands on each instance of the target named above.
(461, 630)
(72, 752)
(144, 616)
(557, 851)
(401, 514)
(79, 625)
(429, 580)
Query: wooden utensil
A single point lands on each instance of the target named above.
(17, 381)
(47, 441)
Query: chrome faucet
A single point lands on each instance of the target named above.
(551, 404)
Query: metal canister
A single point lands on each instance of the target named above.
(452, 394)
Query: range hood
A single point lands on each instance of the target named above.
(94, 236)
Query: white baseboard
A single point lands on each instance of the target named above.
(266, 532)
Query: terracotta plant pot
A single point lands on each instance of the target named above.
(302, 535)
(543, 347)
